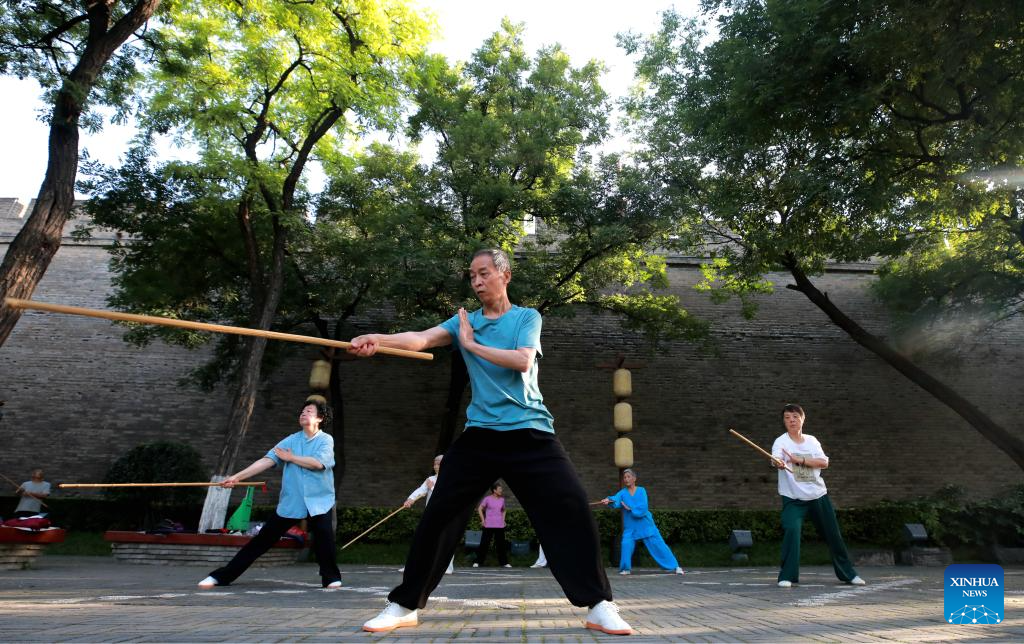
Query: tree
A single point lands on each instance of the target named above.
(959, 281)
(813, 131)
(78, 55)
(512, 133)
(261, 89)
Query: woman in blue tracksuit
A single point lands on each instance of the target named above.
(638, 525)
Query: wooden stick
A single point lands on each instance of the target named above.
(372, 527)
(758, 448)
(117, 316)
(17, 486)
(239, 484)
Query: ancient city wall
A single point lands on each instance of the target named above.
(77, 397)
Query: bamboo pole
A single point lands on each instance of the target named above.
(368, 530)
(758, 448)
(83, 485)
(17, 486)
(118, 316)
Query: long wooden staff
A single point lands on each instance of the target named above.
(18, 486)
(368, 530)
(758, 448)
(239, 484)
(117, 316)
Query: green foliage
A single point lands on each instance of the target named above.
(512, 133)
(949, 518)
(955, 284)
(158, 462)
(261, 89)
(817, 131)
(47, 39)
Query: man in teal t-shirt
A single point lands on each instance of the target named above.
(509, 435)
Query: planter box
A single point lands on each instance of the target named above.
(1008, 556)
(867, 557)
(921, 556)
(186, 549)
(18, 548)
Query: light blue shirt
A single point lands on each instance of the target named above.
(306, 492)
(503, 398)
(637, 522)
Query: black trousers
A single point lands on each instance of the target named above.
(499, 544)
(323, 546)
(539, 472)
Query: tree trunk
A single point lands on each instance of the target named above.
(458, 379)
(33, 248)
(215, 507)
(338, 423)
(992, 431)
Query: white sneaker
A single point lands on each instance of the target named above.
(857, 581)
(785, 583)
(208, 583)
(393, 616)
(507, 566)
(476, 565)
(402, 569)
(680, 571)
(605, 618)
(625, 572)
(333, 585)
(537, 566)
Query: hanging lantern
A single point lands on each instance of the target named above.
(623, 416)
(623, 452)
(320, 375)
(622, 383)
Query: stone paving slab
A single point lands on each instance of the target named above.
(95, 599)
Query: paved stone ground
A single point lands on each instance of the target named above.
(94, 599)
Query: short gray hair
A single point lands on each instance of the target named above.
(498, 256)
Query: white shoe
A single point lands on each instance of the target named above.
(857, 581)
(402, 569)
(333, 585)
(605, 618)
(680, 571)
(476, 565)
(537, 566)
(785, 583)
(507, 566)
(393, 616)
(208, 583)
(625, 572)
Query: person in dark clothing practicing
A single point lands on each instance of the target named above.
(509, 435)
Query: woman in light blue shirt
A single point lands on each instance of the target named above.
(307, 492)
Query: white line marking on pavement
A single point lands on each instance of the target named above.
(480, 603)
(482, 583)
(114, 598)
(828, 598)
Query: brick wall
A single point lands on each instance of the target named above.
(77, 397)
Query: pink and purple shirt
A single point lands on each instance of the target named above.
(493, 515)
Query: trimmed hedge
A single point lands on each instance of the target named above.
(949, 519)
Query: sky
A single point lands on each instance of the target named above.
(586, 29)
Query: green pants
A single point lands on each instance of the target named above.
(824, 518)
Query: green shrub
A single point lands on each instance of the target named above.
(159, 462)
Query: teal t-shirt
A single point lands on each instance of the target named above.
(503, 398)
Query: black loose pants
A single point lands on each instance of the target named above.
(323, 546)
(539, 472)
(499, 544)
